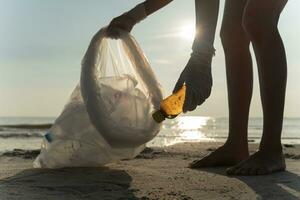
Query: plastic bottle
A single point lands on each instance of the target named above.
(170, 107)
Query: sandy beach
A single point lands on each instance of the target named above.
(157, 173)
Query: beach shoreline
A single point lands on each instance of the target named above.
(157, 173)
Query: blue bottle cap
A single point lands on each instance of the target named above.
(49, 137)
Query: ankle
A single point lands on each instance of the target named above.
(236, 145)
(272, 149)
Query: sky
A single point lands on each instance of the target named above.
(43, 42)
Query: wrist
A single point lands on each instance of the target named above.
(203, 53)
(203, 48)
(137, 14)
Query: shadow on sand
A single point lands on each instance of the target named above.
(69, 183)
(281, 185)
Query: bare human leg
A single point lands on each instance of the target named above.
(239, 82)
(260, 22)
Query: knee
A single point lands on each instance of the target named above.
(257, 24)
(233, 37)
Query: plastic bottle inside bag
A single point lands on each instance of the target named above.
(126, 104)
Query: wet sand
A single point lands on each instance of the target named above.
(159, 173)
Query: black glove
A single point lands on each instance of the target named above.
(197, 77)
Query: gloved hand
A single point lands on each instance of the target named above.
(197, 78)
(126, 21)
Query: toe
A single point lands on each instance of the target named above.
(198, 163)
(245, 171)
(193, 164)
(262, 171)
(232, 170)
(229, 171)
(207, 161)
(252, 171)
(239, 171)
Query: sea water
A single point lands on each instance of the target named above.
(181, 129)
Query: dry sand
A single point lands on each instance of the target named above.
(155, 174)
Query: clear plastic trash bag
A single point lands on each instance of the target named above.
(109, 115)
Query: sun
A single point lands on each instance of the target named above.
(187, 31)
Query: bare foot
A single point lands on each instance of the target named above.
(226, 155)
(260, 163)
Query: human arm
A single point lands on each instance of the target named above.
(127, 20)
(197, 73)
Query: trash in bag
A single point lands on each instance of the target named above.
(109, 114)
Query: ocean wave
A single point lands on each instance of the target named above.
(20, 135)
(26, 126)
(23, 153)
